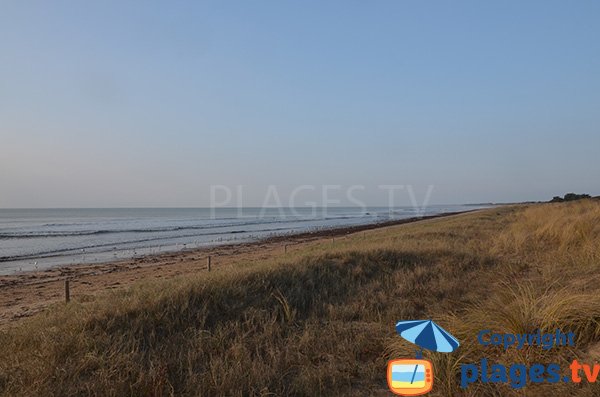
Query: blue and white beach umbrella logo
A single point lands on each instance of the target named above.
(413, 377)
(427, 335)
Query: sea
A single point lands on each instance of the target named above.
(36, 239)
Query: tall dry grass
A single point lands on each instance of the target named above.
(321, 321)
(548, 279)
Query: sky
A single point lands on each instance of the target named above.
(149, 104)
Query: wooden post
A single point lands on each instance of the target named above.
(333, 240)
(208, 262)
(285, 249)
(67, 292)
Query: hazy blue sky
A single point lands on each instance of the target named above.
(139, 103)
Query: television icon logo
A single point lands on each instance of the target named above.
(410, 377)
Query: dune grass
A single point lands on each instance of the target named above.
(321, 321)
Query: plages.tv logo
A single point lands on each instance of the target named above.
(414, 377)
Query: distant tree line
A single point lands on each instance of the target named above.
(570, 197)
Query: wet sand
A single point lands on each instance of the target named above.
(27, 293)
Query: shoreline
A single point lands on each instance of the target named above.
(26, 293)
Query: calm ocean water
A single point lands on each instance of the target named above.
(40, 238)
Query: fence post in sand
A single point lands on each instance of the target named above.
(285, 249)
(67, 292)
(208, 262)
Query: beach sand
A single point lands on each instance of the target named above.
(24, 294)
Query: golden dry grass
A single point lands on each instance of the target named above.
(321, 321)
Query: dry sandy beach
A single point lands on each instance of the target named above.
(27, 293)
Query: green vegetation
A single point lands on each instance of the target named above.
(570, 197)
(321, 321)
